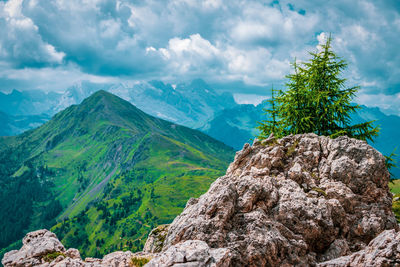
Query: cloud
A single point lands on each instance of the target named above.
(249, 99)
(387, 103)
(21, 44)
(241, 42)
(47, 78)
(190, 57)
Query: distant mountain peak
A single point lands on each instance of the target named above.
(105, 98)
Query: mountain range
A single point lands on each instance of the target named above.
(186, 104)
(102, 174)
(12, 125)
(195, 105)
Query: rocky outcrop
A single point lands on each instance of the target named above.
(302, 200)
(299, 200)
(42, 248)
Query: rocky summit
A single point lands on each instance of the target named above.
(302, 200)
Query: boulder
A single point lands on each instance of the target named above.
(298, 200)
(36, 246)
(42, 248)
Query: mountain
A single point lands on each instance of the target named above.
(33, 102)
(389, 134)
(12, 125)
(186, 104)
(104, 173)
(236, 126)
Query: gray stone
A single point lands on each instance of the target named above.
(192, 253)
(155, 241)
(294, 201)
(383, 250)
(36, 245)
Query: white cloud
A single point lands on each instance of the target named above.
(109, 28)
(249, 99)
(387, 103)
(54, 55)
(195, 54)
(21, 40)
(50, 78)
(191, 54)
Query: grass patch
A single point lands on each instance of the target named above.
(292, 148)
(396, 208)
(395, 186)
(314, 175)
(139, 261)
(52, 256)
(319, 190)
(395, 189)
(271, 142)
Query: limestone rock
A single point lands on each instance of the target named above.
(118, 259)
(36, 245)
(156, 239)
(194, 253)
(73, 253)
(295, 201)
(39, 245)
(383, 250)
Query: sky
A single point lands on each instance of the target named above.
(239, 46)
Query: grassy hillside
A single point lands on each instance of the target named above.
(104, 173)
(395, 189)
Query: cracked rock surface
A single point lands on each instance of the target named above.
(299, 200)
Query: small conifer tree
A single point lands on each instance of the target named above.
(270, 125)
(316, 100)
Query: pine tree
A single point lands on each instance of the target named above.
(294, 104)
(270, 125)
(316, 100)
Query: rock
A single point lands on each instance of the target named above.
(156, 239)
(383, 250)
(36, 245)
(118, 258)
(192, 253)
(42, 248)
(299, 200)
(73, 253)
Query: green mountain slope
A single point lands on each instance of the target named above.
(104, 173)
